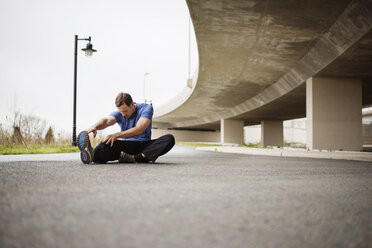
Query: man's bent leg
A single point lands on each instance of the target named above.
(159, 147)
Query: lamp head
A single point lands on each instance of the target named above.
(89, 50)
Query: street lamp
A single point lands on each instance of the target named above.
(88, 52)
(189, 79)
(144, 86)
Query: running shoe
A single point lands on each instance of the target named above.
(126, 158)
(86, 150)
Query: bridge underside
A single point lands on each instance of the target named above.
(256, 56)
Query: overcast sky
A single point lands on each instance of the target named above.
(132, 37)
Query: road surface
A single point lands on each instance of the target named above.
(187, 199)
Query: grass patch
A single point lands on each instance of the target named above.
(36, 149)
(197, 144)
(258, 145)
(295, 145)
(201, 144)
(250, 145)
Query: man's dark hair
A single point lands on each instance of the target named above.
(123, 98)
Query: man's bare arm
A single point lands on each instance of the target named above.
(141, 126)
(102, 124)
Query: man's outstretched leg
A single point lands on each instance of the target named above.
(101, 153)
(86, 150)
(119, 151)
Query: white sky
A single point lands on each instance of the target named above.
(132, 37)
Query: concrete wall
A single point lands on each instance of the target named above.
(295, 131)
(252, 134)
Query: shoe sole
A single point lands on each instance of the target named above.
(86, 151)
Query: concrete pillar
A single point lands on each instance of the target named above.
(334, 114)
(272, 133)
(232, 131)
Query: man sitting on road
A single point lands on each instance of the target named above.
(133, 144)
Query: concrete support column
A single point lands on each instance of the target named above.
(272, 133)
(334, 114)
(232, 131)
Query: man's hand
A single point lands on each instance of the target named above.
(111, 138)
(92, 130)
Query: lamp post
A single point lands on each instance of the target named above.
(88, 52)
(189, 79)
(144, 86)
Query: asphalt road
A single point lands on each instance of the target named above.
(187, 199)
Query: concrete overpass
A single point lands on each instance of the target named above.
(269, 61)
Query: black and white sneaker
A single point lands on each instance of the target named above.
(86, 150)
